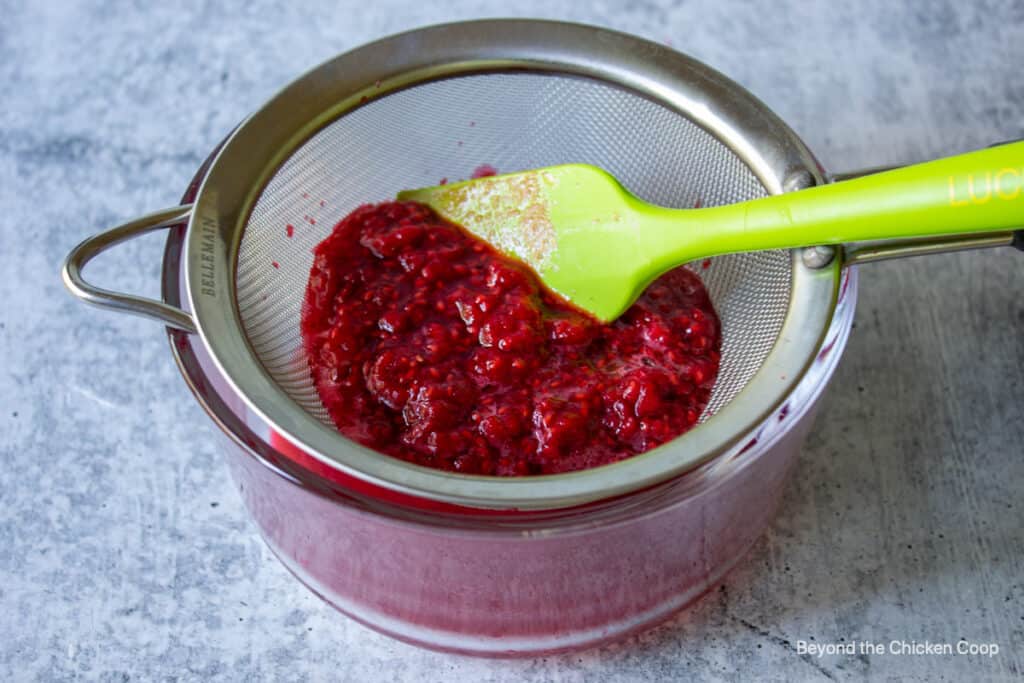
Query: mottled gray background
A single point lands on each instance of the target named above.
(125, 553)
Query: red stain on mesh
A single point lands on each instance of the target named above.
(483, 171)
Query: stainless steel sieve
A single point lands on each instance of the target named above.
(434, 103)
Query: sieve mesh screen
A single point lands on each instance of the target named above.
(512, 121)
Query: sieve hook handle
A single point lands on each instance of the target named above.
(104, 298)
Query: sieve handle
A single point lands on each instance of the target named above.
(104, 298)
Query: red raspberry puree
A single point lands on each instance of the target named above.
(428, 345)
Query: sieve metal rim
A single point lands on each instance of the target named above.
(248, 159)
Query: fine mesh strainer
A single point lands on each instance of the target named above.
(513, 121)
(412, 109)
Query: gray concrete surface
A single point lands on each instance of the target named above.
(125, 553)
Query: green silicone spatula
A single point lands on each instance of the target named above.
(599, 246)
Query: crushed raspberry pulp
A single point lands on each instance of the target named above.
(428, 345)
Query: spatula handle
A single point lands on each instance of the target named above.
(975, 192)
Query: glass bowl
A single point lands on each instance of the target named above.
(505, 583)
